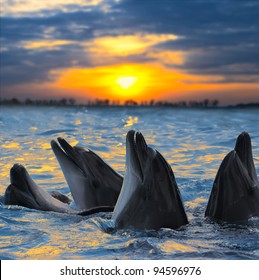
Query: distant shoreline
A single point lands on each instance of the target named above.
(99, 103)
(238, 106)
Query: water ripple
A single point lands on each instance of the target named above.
(55, 131)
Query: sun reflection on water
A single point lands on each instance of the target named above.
(45, 252)
(42, 169)
(173, 247)
(71, 241)
(130, 121)
(11, 145)
(196, 202)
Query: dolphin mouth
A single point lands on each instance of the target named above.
(137, 148)
(63, 147)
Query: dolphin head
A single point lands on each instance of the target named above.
(235, 194)
(149, 198)
(145, 164)
(92, 182)
(21, 191)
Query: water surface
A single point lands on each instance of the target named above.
(193, 141)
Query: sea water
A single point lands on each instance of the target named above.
(193, 141)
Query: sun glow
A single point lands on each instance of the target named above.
(138, 82)
(126, 82)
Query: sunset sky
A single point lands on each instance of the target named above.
(130, 49)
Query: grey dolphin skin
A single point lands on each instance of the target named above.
(235, 193)
(25, 192)
(93, 183)
(149, 198)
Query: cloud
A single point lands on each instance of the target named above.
(56, 54)
(22, 66)
(171, 58)
(47, 45)
(19, 8)
(226, 61)
(123, 45)
(126, 45)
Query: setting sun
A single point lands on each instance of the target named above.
(126, 82)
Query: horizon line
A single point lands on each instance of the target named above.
(71, 102)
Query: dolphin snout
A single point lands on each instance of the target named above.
(243, 139)
(17, 172)
(244, 147)
(245, 134)
(16, 168)
(141, 142)
(130, 136)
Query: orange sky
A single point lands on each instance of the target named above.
(151, 81)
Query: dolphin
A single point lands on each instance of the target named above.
(234, 196)
(149, 198)
(93, 183)
(25, 192)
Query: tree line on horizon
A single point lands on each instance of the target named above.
(107, 102)
(206, 103)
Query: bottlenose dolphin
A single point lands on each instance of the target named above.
(235, 193)
(149, 198)
(93, 183)
(25, 192)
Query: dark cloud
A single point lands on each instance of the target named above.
(192, 16)
(64, 27)
(21, 65)
(225, 60)
(24, 66)
(225, 32)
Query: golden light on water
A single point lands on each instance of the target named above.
(172, 247)
(196, 202)
(11, 145)
(130, 121)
